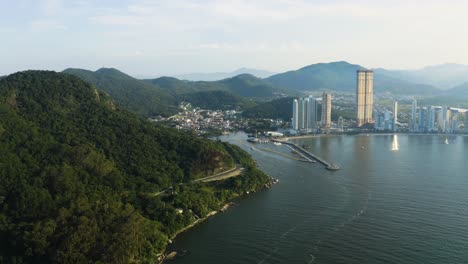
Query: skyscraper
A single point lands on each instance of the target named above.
(311, 121)
(395, 115)
(431, 118)
(295, 119)
(364, 97)
(422, 119)
(414, 107)
(326, 110)
(304, 113)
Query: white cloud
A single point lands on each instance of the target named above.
(51, 7)
(45, 25)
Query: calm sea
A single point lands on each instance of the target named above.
(396, 199)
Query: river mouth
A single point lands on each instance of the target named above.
(385, 205)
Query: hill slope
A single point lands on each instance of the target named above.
(443, 76)
(459, 91)
(216, 76)
(244, 85)
(135, 95)
(341, 76)
(79, 177)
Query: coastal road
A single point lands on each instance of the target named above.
(236, 171)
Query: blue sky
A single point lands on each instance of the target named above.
(151, 38)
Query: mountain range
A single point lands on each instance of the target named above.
(160, 96)
(341, 76)
(216, 76)
(443, 76)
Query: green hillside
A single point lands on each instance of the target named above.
(244, 85)
(79, 177)
(282, 109)
(275, 109)
(217, 100)
(135, 95)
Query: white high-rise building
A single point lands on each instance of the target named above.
(304, 114)
(311, 113)
(395, 115)
(431, 118)
(295, 119)
(414, 108)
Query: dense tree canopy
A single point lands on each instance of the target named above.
(79, 177)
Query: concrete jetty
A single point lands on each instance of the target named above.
(306, 154)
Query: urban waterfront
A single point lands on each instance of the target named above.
(396, 199)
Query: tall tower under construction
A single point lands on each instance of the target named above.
(365, 97)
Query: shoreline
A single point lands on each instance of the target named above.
(172, 254)
(374, 134)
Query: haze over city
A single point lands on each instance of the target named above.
(151, 38)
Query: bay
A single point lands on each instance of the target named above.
(397, 199)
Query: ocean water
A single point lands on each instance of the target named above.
(396, 199)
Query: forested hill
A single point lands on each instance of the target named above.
(162, 95)
(135, 95)
(79, 177)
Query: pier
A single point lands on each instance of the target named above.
(309, 156)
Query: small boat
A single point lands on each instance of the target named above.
(277, 143)
(446, 141)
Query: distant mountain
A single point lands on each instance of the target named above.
(217, 100)
(459, 91)
(135, 95)
(244, 85)
(223, 75)
(161, 96)
(443, 76)
(341, 76)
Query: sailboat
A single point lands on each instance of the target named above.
(446, 141)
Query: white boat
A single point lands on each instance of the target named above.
(277, 143)
(446, 141)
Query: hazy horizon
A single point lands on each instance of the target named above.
(154, 38)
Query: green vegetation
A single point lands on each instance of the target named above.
(244, 85)
(161, 96)
(217, 100)
(135, 95)
(80, 178)
(282, 109)
(275, 109)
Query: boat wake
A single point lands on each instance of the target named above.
(340, 226)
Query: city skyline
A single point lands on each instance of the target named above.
(183, 36)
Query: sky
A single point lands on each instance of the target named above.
(166, 37)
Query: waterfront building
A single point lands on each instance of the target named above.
(379, 120)
(295, 118)
(395, 115)
(304, 114)
(311, 110)
(445, 119)
(340, 124)
(422, 119)
(414, 122)
(466, 122)
(364, 97)
(326, 110)
(431, 118)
